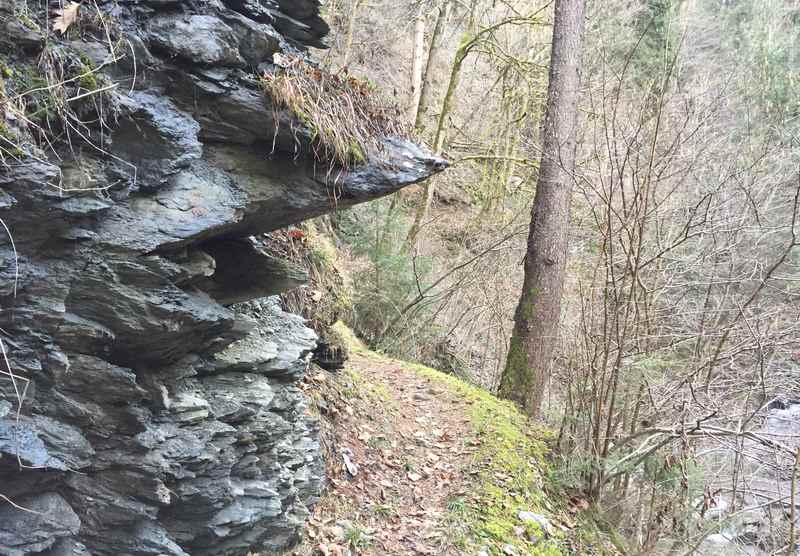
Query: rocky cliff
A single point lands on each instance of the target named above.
(148, 399)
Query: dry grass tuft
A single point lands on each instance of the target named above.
(61, 99)
(346, 116)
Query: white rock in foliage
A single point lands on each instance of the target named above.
(540, 520)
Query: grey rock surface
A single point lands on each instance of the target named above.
(149, 404)
(48, 519)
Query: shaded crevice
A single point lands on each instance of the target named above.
(244, 272)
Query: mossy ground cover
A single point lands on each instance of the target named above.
(509, 472)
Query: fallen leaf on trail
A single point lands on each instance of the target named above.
(330, 549)
(66, 17)
(337, 532)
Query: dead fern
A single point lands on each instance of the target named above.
(346, 117)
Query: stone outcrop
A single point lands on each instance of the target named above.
(148, 397)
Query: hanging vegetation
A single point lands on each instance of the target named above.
(346, 117)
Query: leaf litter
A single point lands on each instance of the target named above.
(401, 448)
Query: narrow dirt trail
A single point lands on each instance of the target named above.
(400, 448)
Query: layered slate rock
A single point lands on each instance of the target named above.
(149, 401)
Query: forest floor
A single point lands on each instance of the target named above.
(419, 463)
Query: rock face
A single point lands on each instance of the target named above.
(140, 412)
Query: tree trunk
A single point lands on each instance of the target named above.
(416, 65)
(426, 89)
(351, 25)
(536, 321)
(438, 142)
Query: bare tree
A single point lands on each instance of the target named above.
(471, 41)
(416, 68)
(426, 90)
(536, 320)
(351, 24)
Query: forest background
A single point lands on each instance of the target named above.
(674, 390)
